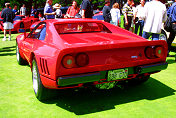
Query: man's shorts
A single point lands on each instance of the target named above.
(8, 25)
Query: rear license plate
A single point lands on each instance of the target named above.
(117, 74)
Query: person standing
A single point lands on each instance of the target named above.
(72, 10)
(115, 14)
(48, 10)
(33, 11)
(139, 17)
(15, 11)
(172, 10)
(8, 16)
(155, 15)
(128, 14)
(106, 11)
(58, 11)
(23, 10)
(86, 10)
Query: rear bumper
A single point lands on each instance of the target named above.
(151, 68)
(72, 81)
(92, 77)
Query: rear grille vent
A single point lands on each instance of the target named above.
(44, 66)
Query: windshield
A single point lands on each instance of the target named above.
(85, 27)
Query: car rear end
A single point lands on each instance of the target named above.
(108, 63)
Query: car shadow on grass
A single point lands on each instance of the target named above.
(86, 101)
(5, 51)
(171, 61)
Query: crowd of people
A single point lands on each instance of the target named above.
(147, 17)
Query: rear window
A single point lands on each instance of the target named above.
(81, 28)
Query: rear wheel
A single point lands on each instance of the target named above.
(20, 60)
(40, 91)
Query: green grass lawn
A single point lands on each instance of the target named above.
(154, 99)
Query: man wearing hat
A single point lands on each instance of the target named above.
(8, 16)
(58, 11)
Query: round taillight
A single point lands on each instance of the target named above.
(150, 52)
(159, 52)
(68, 61)
(82, 59)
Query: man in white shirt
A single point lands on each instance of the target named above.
(155, 15)
(23, 10)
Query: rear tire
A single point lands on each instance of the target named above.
(40, 91)
(20, 60)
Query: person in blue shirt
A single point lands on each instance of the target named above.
(48, 10)
(14, 10)
(171, 10)
(33, 11)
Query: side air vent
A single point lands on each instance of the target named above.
(44, 66)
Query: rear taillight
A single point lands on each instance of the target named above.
(68, 61)
(159, 51)
(154, 52)
(82, 59)
(75, 60)
(149, 52)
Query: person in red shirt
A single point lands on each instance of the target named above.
(72, 10)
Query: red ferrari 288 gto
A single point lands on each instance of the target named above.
(70, 53)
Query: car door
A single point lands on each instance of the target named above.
(32, 38)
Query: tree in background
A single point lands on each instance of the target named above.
(41, 3)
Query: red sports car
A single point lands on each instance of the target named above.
(21, 22)
(69, 53)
